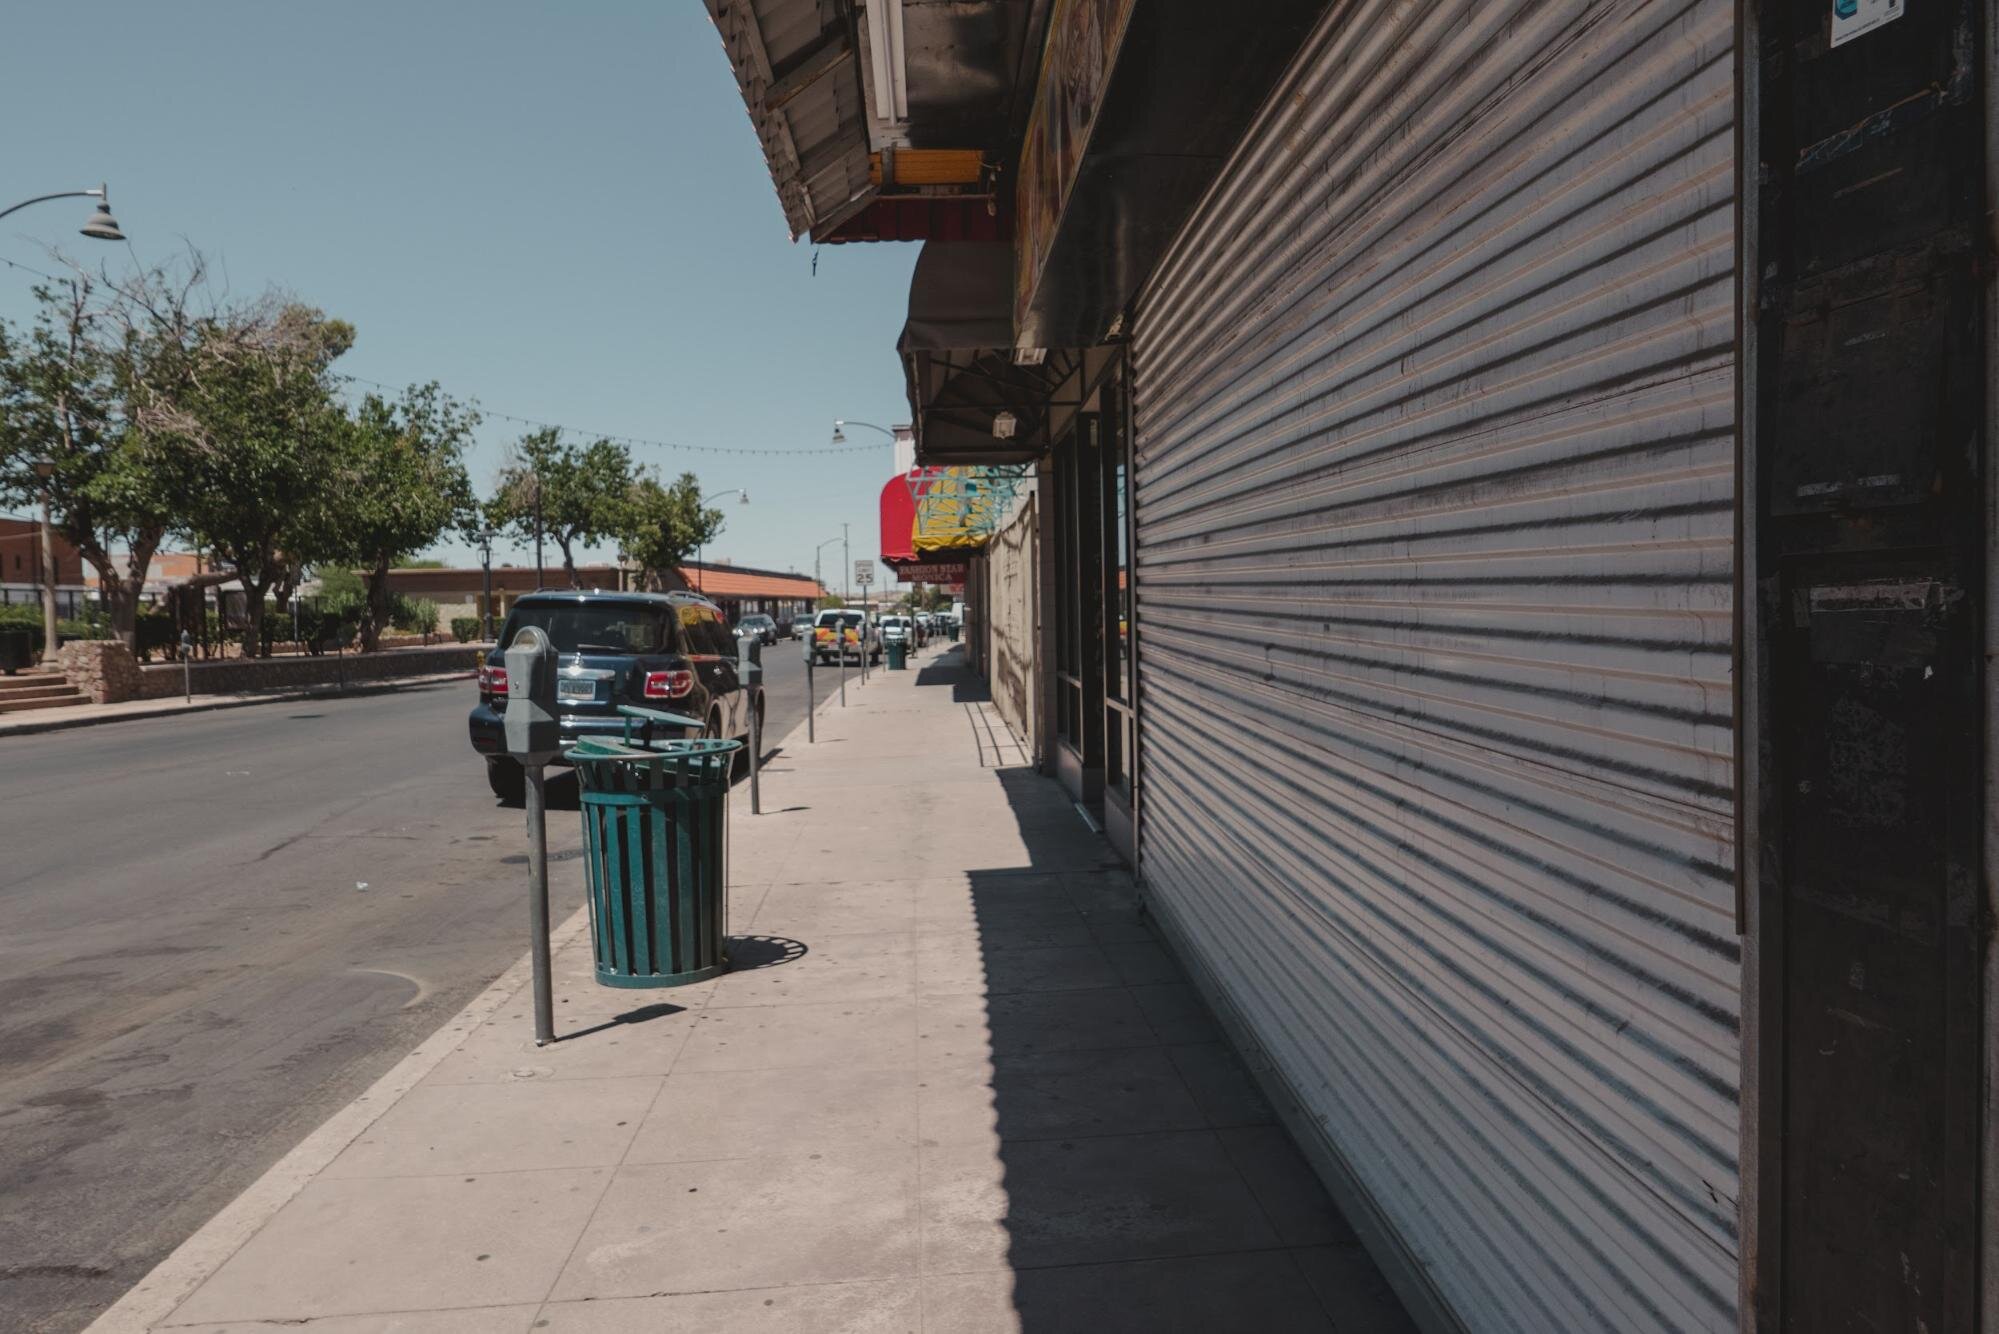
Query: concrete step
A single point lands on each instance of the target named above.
(31, 680)
(54, 697)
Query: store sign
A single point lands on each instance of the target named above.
(935, 572)
(1076, 64)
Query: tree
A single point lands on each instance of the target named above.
(244, 438)
(403, 485)
(575, 495)
(660, 525)
(67, 388)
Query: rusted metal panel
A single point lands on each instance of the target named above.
(1434, 406)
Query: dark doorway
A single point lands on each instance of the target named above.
(1864, 611)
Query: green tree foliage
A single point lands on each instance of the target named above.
(403, 486)
(68, 388)
(244, 439)
(574, 495)
(660, 525)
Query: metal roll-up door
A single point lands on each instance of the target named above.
(1434, 463)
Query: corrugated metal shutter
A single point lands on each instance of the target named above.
(1434, 491)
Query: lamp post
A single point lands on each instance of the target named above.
(486, 582)
(45, 469)
(101, 227)
(699, 547)
(816, 577)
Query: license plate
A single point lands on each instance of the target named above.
(575, 689)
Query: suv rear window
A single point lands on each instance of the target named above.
(703, 632)
(596, 627)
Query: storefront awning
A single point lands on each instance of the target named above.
(970, 398)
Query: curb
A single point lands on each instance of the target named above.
(173, 1280)
(210, 704)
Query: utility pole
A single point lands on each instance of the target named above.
(537, 533)
(45, 469)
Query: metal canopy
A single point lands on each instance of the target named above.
(794, 62)
(805, 71)
(957, 355)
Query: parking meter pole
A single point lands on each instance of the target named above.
(811, 698)
(752, 654)
(187, 666)
(533, 737)
(841, 641)
(538, 948)
(756, 761)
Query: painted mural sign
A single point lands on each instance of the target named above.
(1083, 41)
(928, 514)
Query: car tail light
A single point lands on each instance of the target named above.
(668, 685)
(492, 680)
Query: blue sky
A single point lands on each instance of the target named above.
(558, 210)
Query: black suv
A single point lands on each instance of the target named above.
(668, 651)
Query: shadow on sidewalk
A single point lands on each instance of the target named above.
(1140, 1181)
(950, 670)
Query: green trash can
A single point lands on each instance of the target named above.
(898, 654)
(656, 858)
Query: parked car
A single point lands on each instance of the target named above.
(668, 651)
(897, 629)
(760, 625)
(841, 632)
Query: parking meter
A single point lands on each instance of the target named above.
(187, 666)
(533, 737)
(533, 734)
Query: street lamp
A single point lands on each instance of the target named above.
(101, 227)
(815, 560)
(840, 435)
(699, 546)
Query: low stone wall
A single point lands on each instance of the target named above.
(102, 670)
(232, 675)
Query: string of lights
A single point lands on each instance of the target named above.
(636, 440)
(642, 442)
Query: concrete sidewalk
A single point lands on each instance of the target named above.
(954, 1085)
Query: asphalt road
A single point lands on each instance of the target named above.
(215, 930)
